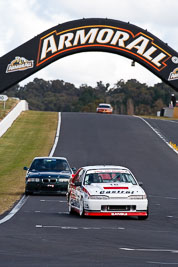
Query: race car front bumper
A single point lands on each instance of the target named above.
(90, 213)
(116, 207)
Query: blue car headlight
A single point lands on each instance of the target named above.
(33, 179)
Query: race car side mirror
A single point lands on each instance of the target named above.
(140, 183)
(25, 168)
(74, 170)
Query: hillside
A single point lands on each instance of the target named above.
(6, 107)
(31, 135)
(127, 97)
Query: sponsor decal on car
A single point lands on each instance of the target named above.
(19, 64)
(50, 185)
(116, 187)
(173, 75)
(141, 45)
(119, 214)
(116, 192)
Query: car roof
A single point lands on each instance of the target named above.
(104, 167)
(50, 158)
(104, 104)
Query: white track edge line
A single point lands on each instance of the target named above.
(22, 201)
(14, 210)
(57, 135)
(160, 136)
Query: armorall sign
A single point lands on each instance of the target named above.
(86, 35)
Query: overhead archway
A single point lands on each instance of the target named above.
(85, 35)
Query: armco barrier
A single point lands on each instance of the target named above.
(12, 116)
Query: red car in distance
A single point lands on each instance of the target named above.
(104, 108)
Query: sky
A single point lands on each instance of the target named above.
(21, 20)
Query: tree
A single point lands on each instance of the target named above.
(127, 97)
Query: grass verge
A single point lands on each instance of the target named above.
(31, 135)
(9, 105)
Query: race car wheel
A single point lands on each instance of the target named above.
(144, 217)
(81, 209)
(70, 206)
(28, 193)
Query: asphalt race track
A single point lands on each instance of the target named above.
(42, 233)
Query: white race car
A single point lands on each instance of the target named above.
(106, 191)
(104, 108)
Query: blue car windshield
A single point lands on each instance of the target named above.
(49, 165)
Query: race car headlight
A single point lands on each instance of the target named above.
(138, 197)
(33, 179)
(98, 197)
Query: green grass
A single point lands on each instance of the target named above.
(9, 104)
(31, 135)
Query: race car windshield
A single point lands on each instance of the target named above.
(49, 165)
(104, 106)
(109, 177)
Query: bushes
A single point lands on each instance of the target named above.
(130, 97)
